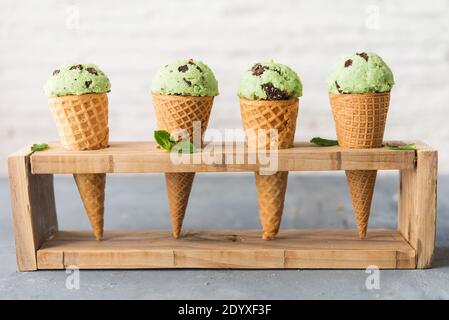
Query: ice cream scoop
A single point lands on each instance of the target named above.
(270, 81)
(360, 72)
(185, 78)
(76, 79)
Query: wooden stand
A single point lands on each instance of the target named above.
(40, 245)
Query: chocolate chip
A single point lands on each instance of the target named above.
(257, 69)
(183, 68)
(364, 55)
(194, 64)
(189, 83)
(92, 71)
(198, 68)
(77, 66)
(274, 93)
(88, 83)
(338, 87)
(275, 70)
(348, 63)
(55, 72)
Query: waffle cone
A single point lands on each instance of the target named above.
(91, 188)
(270, 114)
(360, 123)
(174, 113)
(270, 197)
(178, 186)
(361, 188)
(82, 123)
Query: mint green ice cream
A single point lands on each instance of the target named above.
(270, 81)
(76, 79)
(185, 78)
(360, 73)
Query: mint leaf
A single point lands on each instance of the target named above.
(39, 147)
(410, 146)
(184, 147)
(163, 139)
(324, 142)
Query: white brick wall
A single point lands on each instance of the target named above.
(130, 39)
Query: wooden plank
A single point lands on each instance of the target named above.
(33, 207)
(230, 259)
(347, 259)
(141, 157)
(55, 260)
(417, 204)
(127, 259)
(239, 249)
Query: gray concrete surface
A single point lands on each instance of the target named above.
(226, 201)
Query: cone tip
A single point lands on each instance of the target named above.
(362, 233)
(98, 235)
(268, 236)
